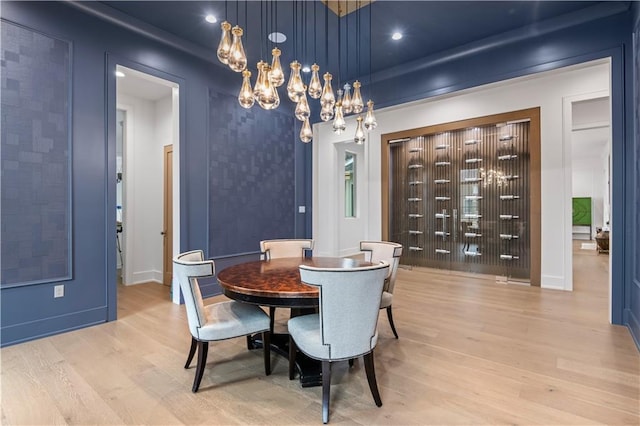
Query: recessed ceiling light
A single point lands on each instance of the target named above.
(276, 37)
(396, 36)
(306, 68)
(119, 74)
(211, 19)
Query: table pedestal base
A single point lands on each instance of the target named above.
(309, 369)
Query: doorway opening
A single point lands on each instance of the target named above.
(588, 120)
(147, 178)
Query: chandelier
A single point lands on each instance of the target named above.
(271, 76)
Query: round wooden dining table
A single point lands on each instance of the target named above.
(277, 283)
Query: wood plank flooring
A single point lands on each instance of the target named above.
(470, 352)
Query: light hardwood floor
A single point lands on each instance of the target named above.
(470, 352)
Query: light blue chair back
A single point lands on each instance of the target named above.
(276, 249)
(349, 306)
(187, 267)
(376, 251)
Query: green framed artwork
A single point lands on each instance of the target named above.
(582, 211)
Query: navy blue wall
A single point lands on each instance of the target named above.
(36, 157)
(632, 295)
(90, 295)
(519, 53)
(251, 167)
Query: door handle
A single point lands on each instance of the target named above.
(163, 233)
(455, 225)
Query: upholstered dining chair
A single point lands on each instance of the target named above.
(276, 249)
(345, 326)
(218, 321)
(375, 251)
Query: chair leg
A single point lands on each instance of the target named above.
(371, 378)
(351, 362)
(192, 352)
(203, 349)
(326, 386)
(266, 348)
(272, 317)
(292, 358)
(390, 316)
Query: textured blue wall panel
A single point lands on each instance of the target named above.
(36, 210)
(251, 176)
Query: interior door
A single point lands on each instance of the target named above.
(460, 199)
(167, 232)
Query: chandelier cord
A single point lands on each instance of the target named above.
(346, 47)
(246, 21)
(370, 57)
(315, 25)
(340, 48)
(261, 31)
(326, 37)
(304, 34)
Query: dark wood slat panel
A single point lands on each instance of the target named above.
(461, 198)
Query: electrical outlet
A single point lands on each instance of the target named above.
(302, 209)
(58, 291)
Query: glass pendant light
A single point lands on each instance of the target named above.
(268, 97)
(339, 100)
(302, 108)
(306, 134)
(339, 125)
(326, 113)
(315, 86)
(257, 89)
(237, 57)
(327, 99)
(277, 75)
(245, 98)
(356, 102)
(359, 138)
(295, 87)
(224, 47)
(346, 102)
(370, 122)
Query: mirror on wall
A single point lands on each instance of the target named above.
(349, 184)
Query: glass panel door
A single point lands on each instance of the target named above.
(459, 199)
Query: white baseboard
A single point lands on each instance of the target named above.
(552, 282)
(146, 276)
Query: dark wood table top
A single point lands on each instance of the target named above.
(277, 282)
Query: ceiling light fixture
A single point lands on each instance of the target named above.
(211, 19)
(270, 75)
(277, 37)
(396, 36)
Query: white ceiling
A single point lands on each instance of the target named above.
(591, 128)
(142, 85)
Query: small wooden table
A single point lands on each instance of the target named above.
(277, 283)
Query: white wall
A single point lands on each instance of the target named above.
(545, 90)
(588, 178)
(175, 131)
(146, 129)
